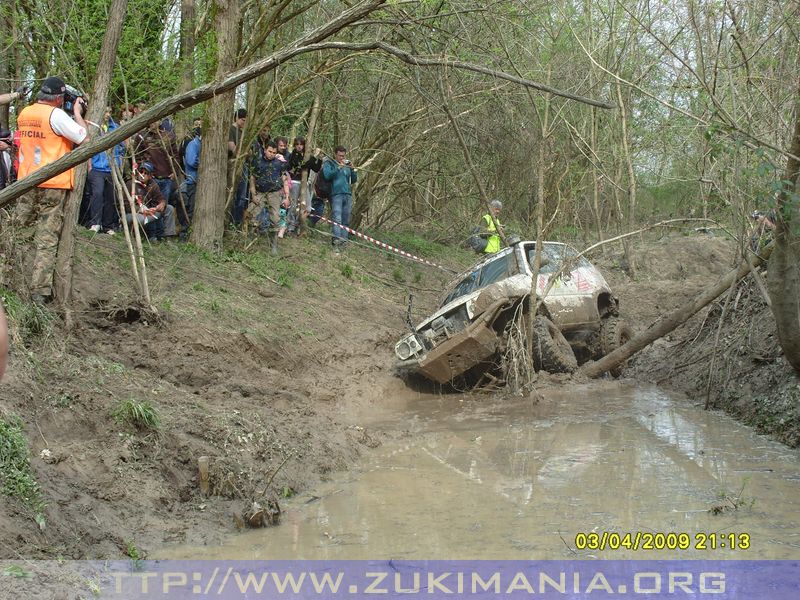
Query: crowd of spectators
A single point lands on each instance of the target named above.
(160, 173)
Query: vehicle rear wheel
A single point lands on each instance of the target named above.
(551, 350)
(614, 332)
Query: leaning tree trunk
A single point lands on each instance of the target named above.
(783, 276)
(209, 215)
(62, 280)
(672, 320)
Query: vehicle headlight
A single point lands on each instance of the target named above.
(407, 347)
(470, 306)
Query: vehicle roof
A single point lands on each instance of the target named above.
(487, 259)
(501, 252)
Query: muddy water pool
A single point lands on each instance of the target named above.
(466, 477)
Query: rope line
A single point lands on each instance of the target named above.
(386, 246)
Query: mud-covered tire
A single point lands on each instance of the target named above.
(614, 332)
(551, 350)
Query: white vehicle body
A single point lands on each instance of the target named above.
(469, 326)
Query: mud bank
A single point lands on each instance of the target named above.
(273, 369)
(265, 366)
(727, 356)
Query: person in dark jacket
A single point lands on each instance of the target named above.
(8, 173)
(269, 186)
(157, 147)
(297, 165)
(151, 206)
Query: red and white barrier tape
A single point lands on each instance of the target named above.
(386, 246)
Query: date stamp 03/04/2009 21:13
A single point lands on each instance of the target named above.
(646, 540)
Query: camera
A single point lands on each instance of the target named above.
(71, 96)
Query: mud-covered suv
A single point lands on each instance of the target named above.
(577, 319)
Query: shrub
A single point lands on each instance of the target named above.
(141, 415)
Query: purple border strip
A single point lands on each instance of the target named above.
(434, 579)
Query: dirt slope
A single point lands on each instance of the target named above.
(269, 381)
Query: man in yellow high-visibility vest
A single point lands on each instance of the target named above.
(46, 133)
(488, 230)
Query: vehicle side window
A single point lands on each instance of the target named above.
(496, 270)
(464, 287)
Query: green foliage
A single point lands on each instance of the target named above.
(136, 555)
(346, 270)
(29, 321)
(672, 198)
(132, 551)
(410, 242)
(139, 414)
(16, 476)
(398, 275)
(16, 571)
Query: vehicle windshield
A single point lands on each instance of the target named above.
(492, 272)
(553, 255)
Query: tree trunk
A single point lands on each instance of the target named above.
(311, 136)
(631, 176)
(209, 216)
(62, 280)
(187, 45)
(6, 56)
(783, 276)
(593, 126)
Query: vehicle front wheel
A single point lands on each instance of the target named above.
(551, 350)
(614, 332)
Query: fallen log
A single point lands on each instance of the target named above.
(671, 321)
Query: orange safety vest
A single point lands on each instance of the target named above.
(39, 146)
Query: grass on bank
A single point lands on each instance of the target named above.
(28, 321)
(139, 414)
(16, 476)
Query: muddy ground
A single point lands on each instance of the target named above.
(727, 356)
(271, 368)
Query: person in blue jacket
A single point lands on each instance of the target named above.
(103, 215)
(342, 176)
(191, 162)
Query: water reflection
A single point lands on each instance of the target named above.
(498, 478)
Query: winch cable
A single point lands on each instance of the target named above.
(386, 247)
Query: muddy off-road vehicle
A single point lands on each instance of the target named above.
(578, 319)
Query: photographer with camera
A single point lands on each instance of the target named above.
(46, 134)
(342, 176)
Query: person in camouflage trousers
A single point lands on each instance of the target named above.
(46, 134)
